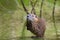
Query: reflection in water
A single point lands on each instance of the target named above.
(29, 38)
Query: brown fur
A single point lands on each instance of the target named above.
(37, 27)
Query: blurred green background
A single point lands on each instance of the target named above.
(13, 17)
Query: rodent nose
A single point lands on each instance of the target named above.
(27, 16)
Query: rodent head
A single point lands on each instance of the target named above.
(32, 17)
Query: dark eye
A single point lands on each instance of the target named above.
(27, 16)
